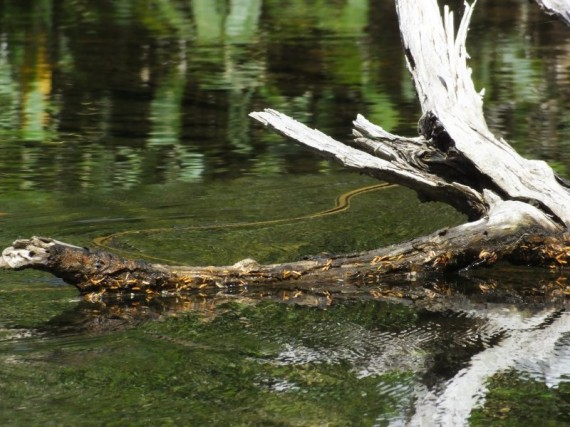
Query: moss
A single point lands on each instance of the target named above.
(517, 401)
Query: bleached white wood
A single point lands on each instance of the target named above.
(437, 61)
(394, 159)
(558, 8)
(457, 159)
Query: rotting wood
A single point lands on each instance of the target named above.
(480, 243)
(518, 208)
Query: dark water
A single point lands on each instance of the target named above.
(129, 118)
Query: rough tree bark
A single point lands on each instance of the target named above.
(518, 208)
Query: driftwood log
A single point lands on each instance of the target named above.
(517, 208)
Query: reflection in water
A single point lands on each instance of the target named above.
(162, 94)
(132, 115)
(363, 338)
(36, 119)
(530, 341)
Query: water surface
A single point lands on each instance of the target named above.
(129, 119)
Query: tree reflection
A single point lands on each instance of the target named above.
(115, 94)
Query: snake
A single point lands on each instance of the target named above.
(342, 204)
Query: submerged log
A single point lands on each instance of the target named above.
(518, 208)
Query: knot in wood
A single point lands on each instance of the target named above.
(431, 128)
(247, 265)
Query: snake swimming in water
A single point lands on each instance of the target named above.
(342, 204)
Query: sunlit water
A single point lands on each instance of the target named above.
(128, 120)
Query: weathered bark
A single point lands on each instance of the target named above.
(503, 235)
(557, 8)
(518, 207)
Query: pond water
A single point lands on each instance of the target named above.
(129, 119)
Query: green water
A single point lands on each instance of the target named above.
(129, 119)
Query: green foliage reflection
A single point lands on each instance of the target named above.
(218, 372)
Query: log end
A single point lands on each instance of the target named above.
(27, 253)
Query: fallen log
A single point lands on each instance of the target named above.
(518, 208)
(476, 244)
